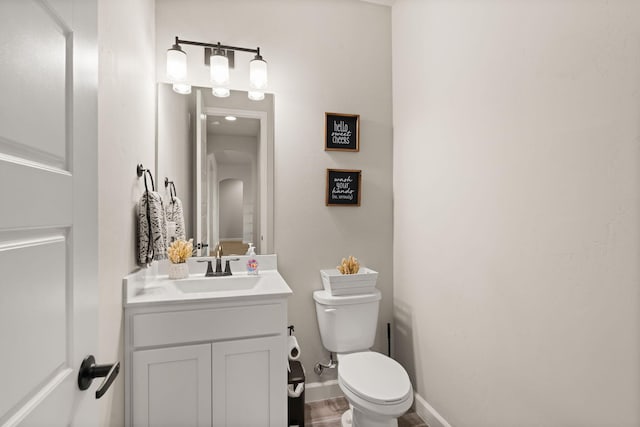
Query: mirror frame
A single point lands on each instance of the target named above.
(266, 171)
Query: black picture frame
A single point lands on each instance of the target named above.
(343, 187)
(341, 132)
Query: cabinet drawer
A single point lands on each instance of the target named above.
(151, 329)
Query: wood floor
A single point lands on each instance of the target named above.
(327, 413)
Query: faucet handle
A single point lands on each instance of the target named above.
(227, 267)
(209, 272)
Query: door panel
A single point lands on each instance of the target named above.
(33, 321)
(172, 386)
(48, 220)
(247, 373)
(38, 49)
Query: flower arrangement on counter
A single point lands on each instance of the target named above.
(349, 265)
(180, 250)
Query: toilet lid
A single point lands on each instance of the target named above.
(374, 377)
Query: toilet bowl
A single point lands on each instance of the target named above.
(377, 387)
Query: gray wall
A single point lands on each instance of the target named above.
(231, 197)
(126, 137)
(176, 149)
(517, 207)
(323, 56)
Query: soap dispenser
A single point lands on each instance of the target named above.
(252, 262)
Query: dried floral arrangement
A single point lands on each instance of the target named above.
(349, 265)
(180, 250)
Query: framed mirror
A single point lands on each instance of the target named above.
(218, 152)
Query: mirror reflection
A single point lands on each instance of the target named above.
(219, 154)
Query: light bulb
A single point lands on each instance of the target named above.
(219, 69)
(221, 92)
(176, 64)
(255, 95)
(258, 74)
(182, 88)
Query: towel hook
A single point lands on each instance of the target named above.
(172, 189)
(140, 170)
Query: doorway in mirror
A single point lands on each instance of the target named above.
(198, 148)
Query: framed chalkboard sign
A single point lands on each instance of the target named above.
(342, 132)
(343, 187)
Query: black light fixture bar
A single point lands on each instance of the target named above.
(220, 58)
(218, 46)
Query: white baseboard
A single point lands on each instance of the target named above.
(322, 390)
(428, 414)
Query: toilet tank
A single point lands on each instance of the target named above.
(347, 323)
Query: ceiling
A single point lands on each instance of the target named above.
(217, 125)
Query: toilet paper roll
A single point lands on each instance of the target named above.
(295, 392)
(293, 349)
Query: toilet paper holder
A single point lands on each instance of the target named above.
(293, 346)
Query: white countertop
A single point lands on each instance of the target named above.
(152, 285)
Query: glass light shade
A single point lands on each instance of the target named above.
(219, 69)
(258, 74)
(255, 95)
(182, 88)
(221, 92)
(176, 64)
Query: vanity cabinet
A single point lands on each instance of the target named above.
(210, 363)
(242, 389)
(172, 386)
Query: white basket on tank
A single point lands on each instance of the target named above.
(363, 282)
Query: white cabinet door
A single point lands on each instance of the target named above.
(172, 386)
(250, 382)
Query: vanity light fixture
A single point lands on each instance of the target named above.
(220, 58)
(231, 118)
(176, 63)
(219, 67)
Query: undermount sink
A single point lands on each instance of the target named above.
(217, 284)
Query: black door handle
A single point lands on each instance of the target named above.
(89, 370)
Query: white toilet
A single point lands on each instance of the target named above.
(377, 387)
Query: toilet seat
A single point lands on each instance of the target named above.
(374, 378)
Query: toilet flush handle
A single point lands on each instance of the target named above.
(329, 310)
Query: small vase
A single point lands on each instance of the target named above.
(178, 271)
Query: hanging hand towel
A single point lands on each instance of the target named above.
(152, 228)
(175, 214)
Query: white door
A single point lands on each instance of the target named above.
(172, 387)
(48, 210)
